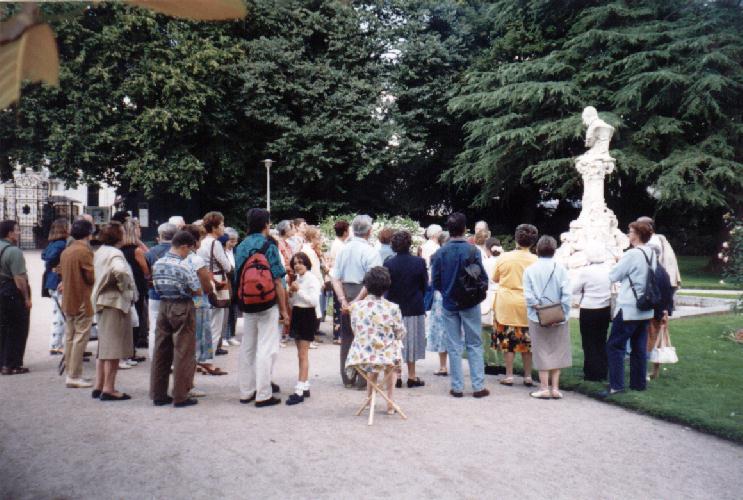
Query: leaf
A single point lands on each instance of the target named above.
(33, 56)
(197, 10)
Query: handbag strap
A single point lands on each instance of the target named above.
(547, 283)
(212, 260)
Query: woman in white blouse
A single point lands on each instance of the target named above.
(593, 287)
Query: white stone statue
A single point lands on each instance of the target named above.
(596, 222)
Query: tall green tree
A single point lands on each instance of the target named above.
(164, 107)
(667, 74)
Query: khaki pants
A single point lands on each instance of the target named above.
(175, 343)
(77, 333)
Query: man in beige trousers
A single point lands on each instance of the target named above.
(78, 277)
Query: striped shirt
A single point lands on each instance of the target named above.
(173, 279)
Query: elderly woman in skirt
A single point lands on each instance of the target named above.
(546, 282)
(114, 295)
(409, 277)
(435, 327)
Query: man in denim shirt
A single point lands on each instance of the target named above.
(445, 267)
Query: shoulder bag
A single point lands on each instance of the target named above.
(549, 314)
(222, 290)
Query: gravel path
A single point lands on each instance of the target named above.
(59, 443)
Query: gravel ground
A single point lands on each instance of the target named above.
(59, 443)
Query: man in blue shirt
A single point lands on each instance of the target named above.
(260, 344)
(175, 342)
(165, 234)
(354, 260)
(445, 268)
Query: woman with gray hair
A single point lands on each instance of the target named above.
(432, 243)
(546, 282)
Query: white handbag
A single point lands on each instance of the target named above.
(663, 352)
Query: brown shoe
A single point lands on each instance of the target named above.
(482, 393)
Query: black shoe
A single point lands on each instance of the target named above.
(482, 393)
(95, 394)
(249, 400)
(138, 359)
(416, 382)
(456, 394)
(275, 388)
(221, 352)
(306, 394)
(107, 396)
(398, 384)
(162, 402)
(491, 370)
(87, 354)
(267, 402)
(294, 399)
(186, 402)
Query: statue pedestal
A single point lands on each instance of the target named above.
(596, 221)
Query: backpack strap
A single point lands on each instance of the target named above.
(1, 261)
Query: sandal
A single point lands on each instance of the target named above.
(213, 370)
(391, 411)
(556, 394)
(541, 394)
(507, 381)
(441, 373)
(528, 382)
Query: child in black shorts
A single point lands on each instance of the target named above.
(304, 297)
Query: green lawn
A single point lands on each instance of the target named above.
(704, 390)
(694, 275)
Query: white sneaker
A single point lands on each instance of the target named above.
(78, 383)
(131, 362)
(196, 393)
(313, 345)
(123, 365)
(282, 344)
(233, 341)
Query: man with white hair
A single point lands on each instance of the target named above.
(178, 221)
(432, 243)
(165, 234)
(354, 260)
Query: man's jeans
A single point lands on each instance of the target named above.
(470, 321)
(636, 332)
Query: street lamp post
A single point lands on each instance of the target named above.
(268, 162)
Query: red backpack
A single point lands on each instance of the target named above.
(256, 291)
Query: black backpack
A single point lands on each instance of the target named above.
(469, 290)
(650, 298)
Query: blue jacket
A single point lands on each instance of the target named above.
(409, 281)
(543, 286)
(153, 255)
(445, 265)
(632, 266)
(51, 255)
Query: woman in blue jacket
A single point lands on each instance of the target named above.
(57, 243)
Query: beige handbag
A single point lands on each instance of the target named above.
(222, 289)
(549, 314)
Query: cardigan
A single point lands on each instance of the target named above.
(114, 283)
(546, 282)
(633, 266)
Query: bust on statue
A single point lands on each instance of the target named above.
(596, 221)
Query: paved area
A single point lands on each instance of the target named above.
(59, 443)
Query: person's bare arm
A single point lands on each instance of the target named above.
(281, 298)
(205, 278)
(21, 282)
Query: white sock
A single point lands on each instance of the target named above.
(298, 389)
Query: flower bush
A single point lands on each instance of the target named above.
(731, 253)
(396, 222)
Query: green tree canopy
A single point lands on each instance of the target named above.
(667, 74)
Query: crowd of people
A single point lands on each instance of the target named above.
(181, 299)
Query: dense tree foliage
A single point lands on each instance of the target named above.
(667, 74)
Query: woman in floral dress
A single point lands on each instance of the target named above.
(378, 331)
